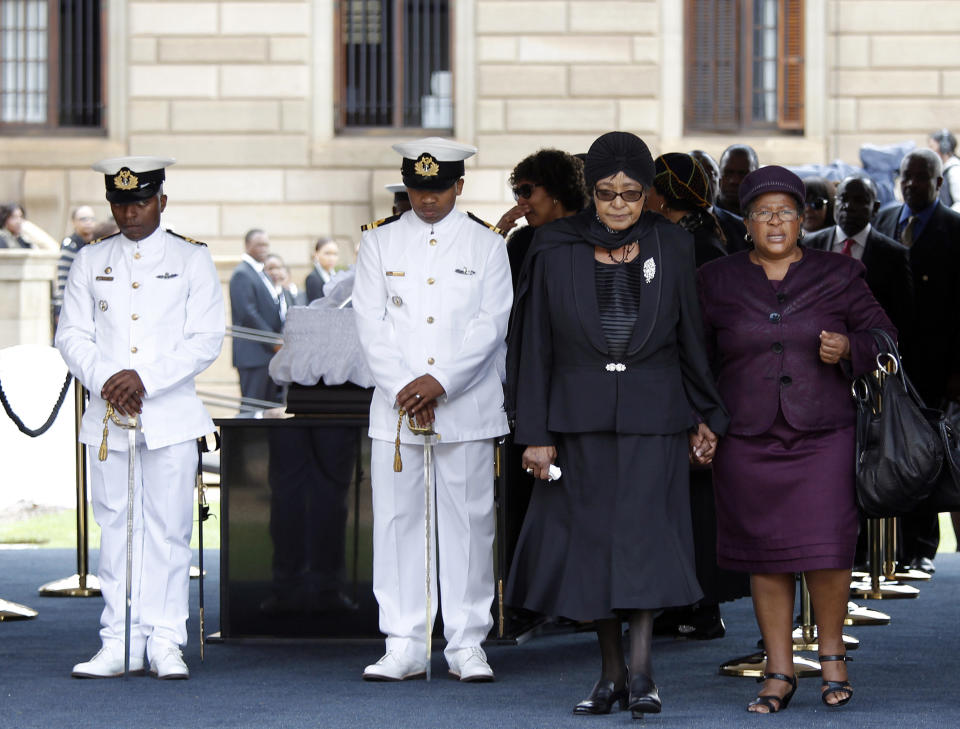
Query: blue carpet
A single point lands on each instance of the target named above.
(904, 673)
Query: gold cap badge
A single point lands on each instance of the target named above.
(126, 180)
(426, 166)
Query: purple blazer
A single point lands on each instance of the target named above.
(763, 338)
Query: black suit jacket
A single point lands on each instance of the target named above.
(314, 285)
(888, 272)
(560, 370)
(252, 306)
(931, 345)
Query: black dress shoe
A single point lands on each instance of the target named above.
(644, 697)
(924, 564)
(602, 699)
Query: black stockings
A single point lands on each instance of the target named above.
(611, 646)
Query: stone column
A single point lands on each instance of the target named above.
(26, 280)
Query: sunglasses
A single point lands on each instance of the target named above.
(630, 196)
(818, 204)
(523, 191)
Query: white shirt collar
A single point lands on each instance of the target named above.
(860, 245)
(254, 263)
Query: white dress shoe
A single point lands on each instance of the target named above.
(168, 664)
(470, 664)
(105, 664)
(394, 666)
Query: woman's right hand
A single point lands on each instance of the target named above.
(509, 219)
(538, 459)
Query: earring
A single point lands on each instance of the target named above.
(555, 201)
(800, 237)
(748, 238)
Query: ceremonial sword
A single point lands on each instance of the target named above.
(131, 427)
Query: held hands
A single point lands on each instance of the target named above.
(509, 219)
(703, 445)
(537, 460)
(834, 347)
(419, 399)
(124, 390)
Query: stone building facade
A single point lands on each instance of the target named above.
(242, 93)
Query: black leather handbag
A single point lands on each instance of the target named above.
(900, 444)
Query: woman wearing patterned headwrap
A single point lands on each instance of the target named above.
(606, 369)
(681, 191)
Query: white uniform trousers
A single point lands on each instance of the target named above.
(162, 523)
(463, 546)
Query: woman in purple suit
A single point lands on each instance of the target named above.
(787, 327)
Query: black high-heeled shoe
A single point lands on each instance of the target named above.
(644, 697)
(833, 687)
(602, 699)
(769, 699)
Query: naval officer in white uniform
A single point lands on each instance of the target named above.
(142, 316)
(432, 298)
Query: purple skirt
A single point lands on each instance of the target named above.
(785, 500)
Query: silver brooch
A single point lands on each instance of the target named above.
(649, 270)
(616, 367)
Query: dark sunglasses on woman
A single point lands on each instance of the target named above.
(630, 196)
(818, 204)
(523, 191)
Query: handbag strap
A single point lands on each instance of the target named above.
(888, 346)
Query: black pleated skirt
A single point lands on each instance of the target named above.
(614, 533)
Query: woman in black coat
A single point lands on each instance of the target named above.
(608, 378)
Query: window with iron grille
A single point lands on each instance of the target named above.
(744, 65)
(393, 64)
(51, 64)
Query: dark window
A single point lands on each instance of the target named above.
(744, 65)
(394, 64)
(51, 64)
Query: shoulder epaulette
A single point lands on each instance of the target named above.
(378, 223)
(494, 228)
(106, 237)
(188, 240)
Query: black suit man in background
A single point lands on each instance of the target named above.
(736, 162)
(254, 304)
(931, 345)
(887, 262)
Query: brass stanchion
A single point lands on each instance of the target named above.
(82, 584)
(890, 570)
(805, 635)
(15, 611)
(879, 587)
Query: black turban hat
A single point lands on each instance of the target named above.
(618, 152)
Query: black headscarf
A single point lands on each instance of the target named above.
(609, 154)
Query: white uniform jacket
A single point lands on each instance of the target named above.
(435, 299)
(154, 306)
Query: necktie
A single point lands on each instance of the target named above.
(906, 236)
(848, 247)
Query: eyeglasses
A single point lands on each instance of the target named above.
(784, 215)
(629, 196)
(523, 191)
(818, 204)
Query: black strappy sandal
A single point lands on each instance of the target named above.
(833, 687)
(769, 699)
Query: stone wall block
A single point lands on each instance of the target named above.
(561, 115)
(614, 80)
(213, 50)
(525, 81)
(173, 81)
(269, 81)
(225, 150)
(576, 49)
(513, 15)
(225, 116)
(598, 16)
(177, 18)
(272, 18)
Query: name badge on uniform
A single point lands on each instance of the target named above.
(103, 305)
(396, 273)
(167, 275)
(464, 271)
(104, 278)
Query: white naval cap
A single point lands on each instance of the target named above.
(433, 163)
(395, 188)
(129, 179)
